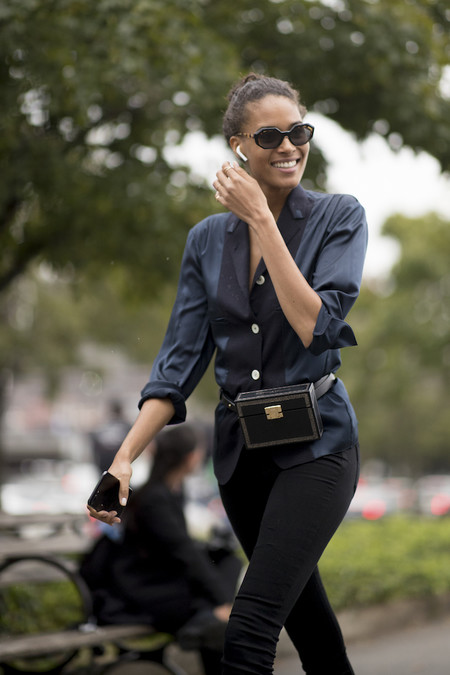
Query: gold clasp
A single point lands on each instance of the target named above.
(273, 412)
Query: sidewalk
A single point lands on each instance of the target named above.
(418, 650)
(410, 636)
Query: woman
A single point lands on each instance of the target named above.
(156, 573)
(268, 287)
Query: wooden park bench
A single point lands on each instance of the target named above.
(13, 524)
(46, 617)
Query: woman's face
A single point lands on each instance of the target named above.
(281, 168)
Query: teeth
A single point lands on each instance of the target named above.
(285, 165)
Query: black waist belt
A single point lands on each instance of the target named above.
(321, 387)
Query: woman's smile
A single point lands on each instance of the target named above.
(285, 165)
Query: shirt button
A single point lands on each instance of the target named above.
(260, 280)
(255, 328)
(256, 374)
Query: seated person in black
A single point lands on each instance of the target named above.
(157, 574)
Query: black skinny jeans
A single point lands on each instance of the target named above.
(284, 520)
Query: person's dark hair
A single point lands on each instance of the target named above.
(251, 88)
(172, 447)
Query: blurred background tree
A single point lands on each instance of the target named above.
(399, 377)
(92, 94)
(93, 216)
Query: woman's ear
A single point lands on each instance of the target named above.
(236, 148)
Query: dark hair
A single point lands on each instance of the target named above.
(250, 88)
(173, 445)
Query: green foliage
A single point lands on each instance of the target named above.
(92, 93)
(47, 320)
(348, 59)
(399, 377)
(89, 94)
(31, 607)
(367, 563)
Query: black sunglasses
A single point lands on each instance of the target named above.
(271, 137)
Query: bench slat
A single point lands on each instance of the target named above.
(9, 520)
(61, 545)
(48, 643)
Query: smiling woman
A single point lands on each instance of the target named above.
(276, 152)
(266, 287)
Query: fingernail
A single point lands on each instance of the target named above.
(123, 501)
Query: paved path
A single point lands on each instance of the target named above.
(414, 650)
(417, 650)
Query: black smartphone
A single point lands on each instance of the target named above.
(105, 496)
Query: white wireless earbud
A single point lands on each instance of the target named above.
(241, 154)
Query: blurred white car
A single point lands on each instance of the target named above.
(46, 473)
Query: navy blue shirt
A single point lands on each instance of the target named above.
(255, 346)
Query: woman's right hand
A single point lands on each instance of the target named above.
(121, 469)
(153, 416)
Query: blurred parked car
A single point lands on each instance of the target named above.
(46, 473)
(378, 497)
(433, 495)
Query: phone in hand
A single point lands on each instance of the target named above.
(105, 496)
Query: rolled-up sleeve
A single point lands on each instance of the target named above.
(337, 275)
(188, 346)
(166, 390)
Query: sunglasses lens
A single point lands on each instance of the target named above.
(269, 138)
(300, 135)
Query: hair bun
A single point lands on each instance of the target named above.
(249, 89)
(250, 77)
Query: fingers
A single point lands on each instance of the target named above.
(232, 170)
(108, 517)
(226, 173)
(122, 470)
(228, 169)
(123, 492)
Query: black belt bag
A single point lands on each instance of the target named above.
(280, 415)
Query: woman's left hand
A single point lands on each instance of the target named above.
(240, 193)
